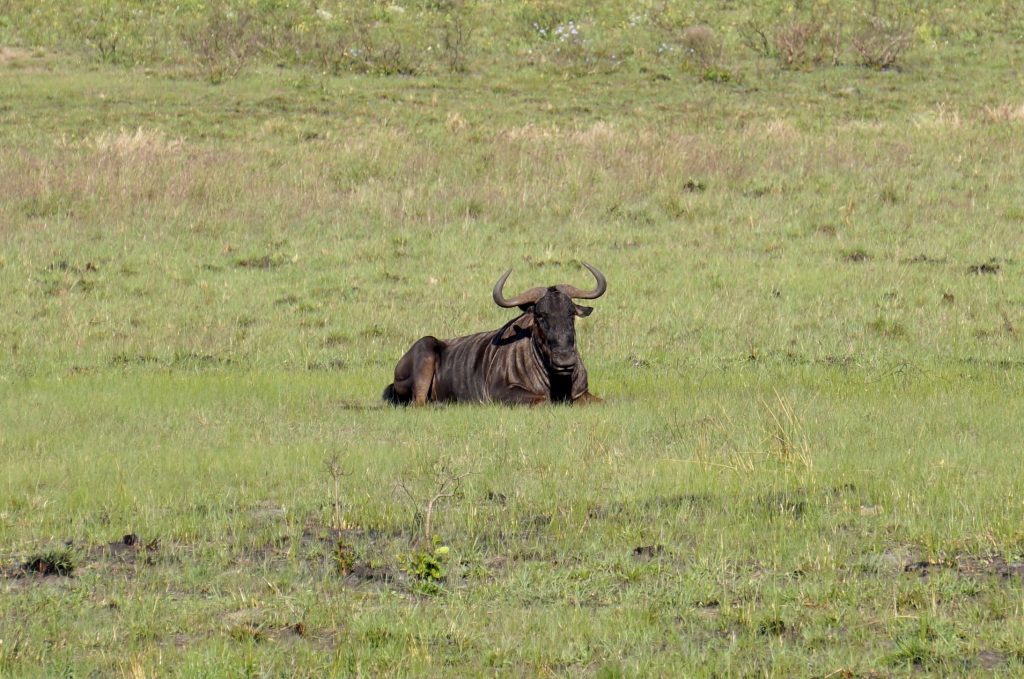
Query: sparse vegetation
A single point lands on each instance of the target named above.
(221, 223)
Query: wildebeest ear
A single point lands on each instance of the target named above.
(583, 310)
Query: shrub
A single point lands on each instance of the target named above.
(222, 41)
(456, 28)
(702, 45)
(806, 37)
(880, 41)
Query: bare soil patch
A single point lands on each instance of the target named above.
(992, 266)
(982, 566)
(646, 552)
(9, 54)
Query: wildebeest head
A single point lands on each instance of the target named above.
(554, 316)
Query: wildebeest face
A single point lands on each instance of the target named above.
(554, 317)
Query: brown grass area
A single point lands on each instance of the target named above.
(1003, 113)
(9, 54)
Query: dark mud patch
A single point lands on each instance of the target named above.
(638, 362)
(130, 549)
(536, 523)
(257, 625)
(1002, 364)
(262, 262)
(64, 265)
(59, 564)
(496, 498)
(992, 266)
(836, 361)
(357, 556)
(996, 566)
(843, 490)
(925, 567)
(360, 405)
(647, 552)
(991, 661)
(127, 360)
(909, 560)
(772, 627)
(698, 504)
(774, 505)
(331, 365)
(194, 360)
(924, 259)
(628, 244)
(369, 573)
(857, 255)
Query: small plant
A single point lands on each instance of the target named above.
(427, 567)
(716, 75)
(426, 563)
(337, 473)
(344, 557)
(60, 562)
(447, 483)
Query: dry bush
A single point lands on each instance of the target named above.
(881, 41)
(383, 42)
(805, 42)
(141, 141)
(702, 45)
(941, 116)
(1004, 113)
(806, 37)
(223, 42)
(456, 33)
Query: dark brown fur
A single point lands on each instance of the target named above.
(530, 360)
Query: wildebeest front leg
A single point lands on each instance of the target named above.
(414, 374)
(519, 396)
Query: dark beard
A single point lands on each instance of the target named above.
(561, 387)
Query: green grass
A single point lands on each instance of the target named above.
(807, 462)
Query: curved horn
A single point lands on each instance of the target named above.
(576, 293)
(529, 297)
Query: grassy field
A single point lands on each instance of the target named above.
(808, 462)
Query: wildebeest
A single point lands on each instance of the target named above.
(531, 359)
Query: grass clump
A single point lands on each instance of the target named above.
(60, 562)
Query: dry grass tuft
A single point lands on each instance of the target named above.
(456, 123)
(939, 117)
(1004, 113)
(9, 54)
(597, 133)
(528, 132)
(786, 437)
(141, 142)
(776, 130)
(702, 44)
